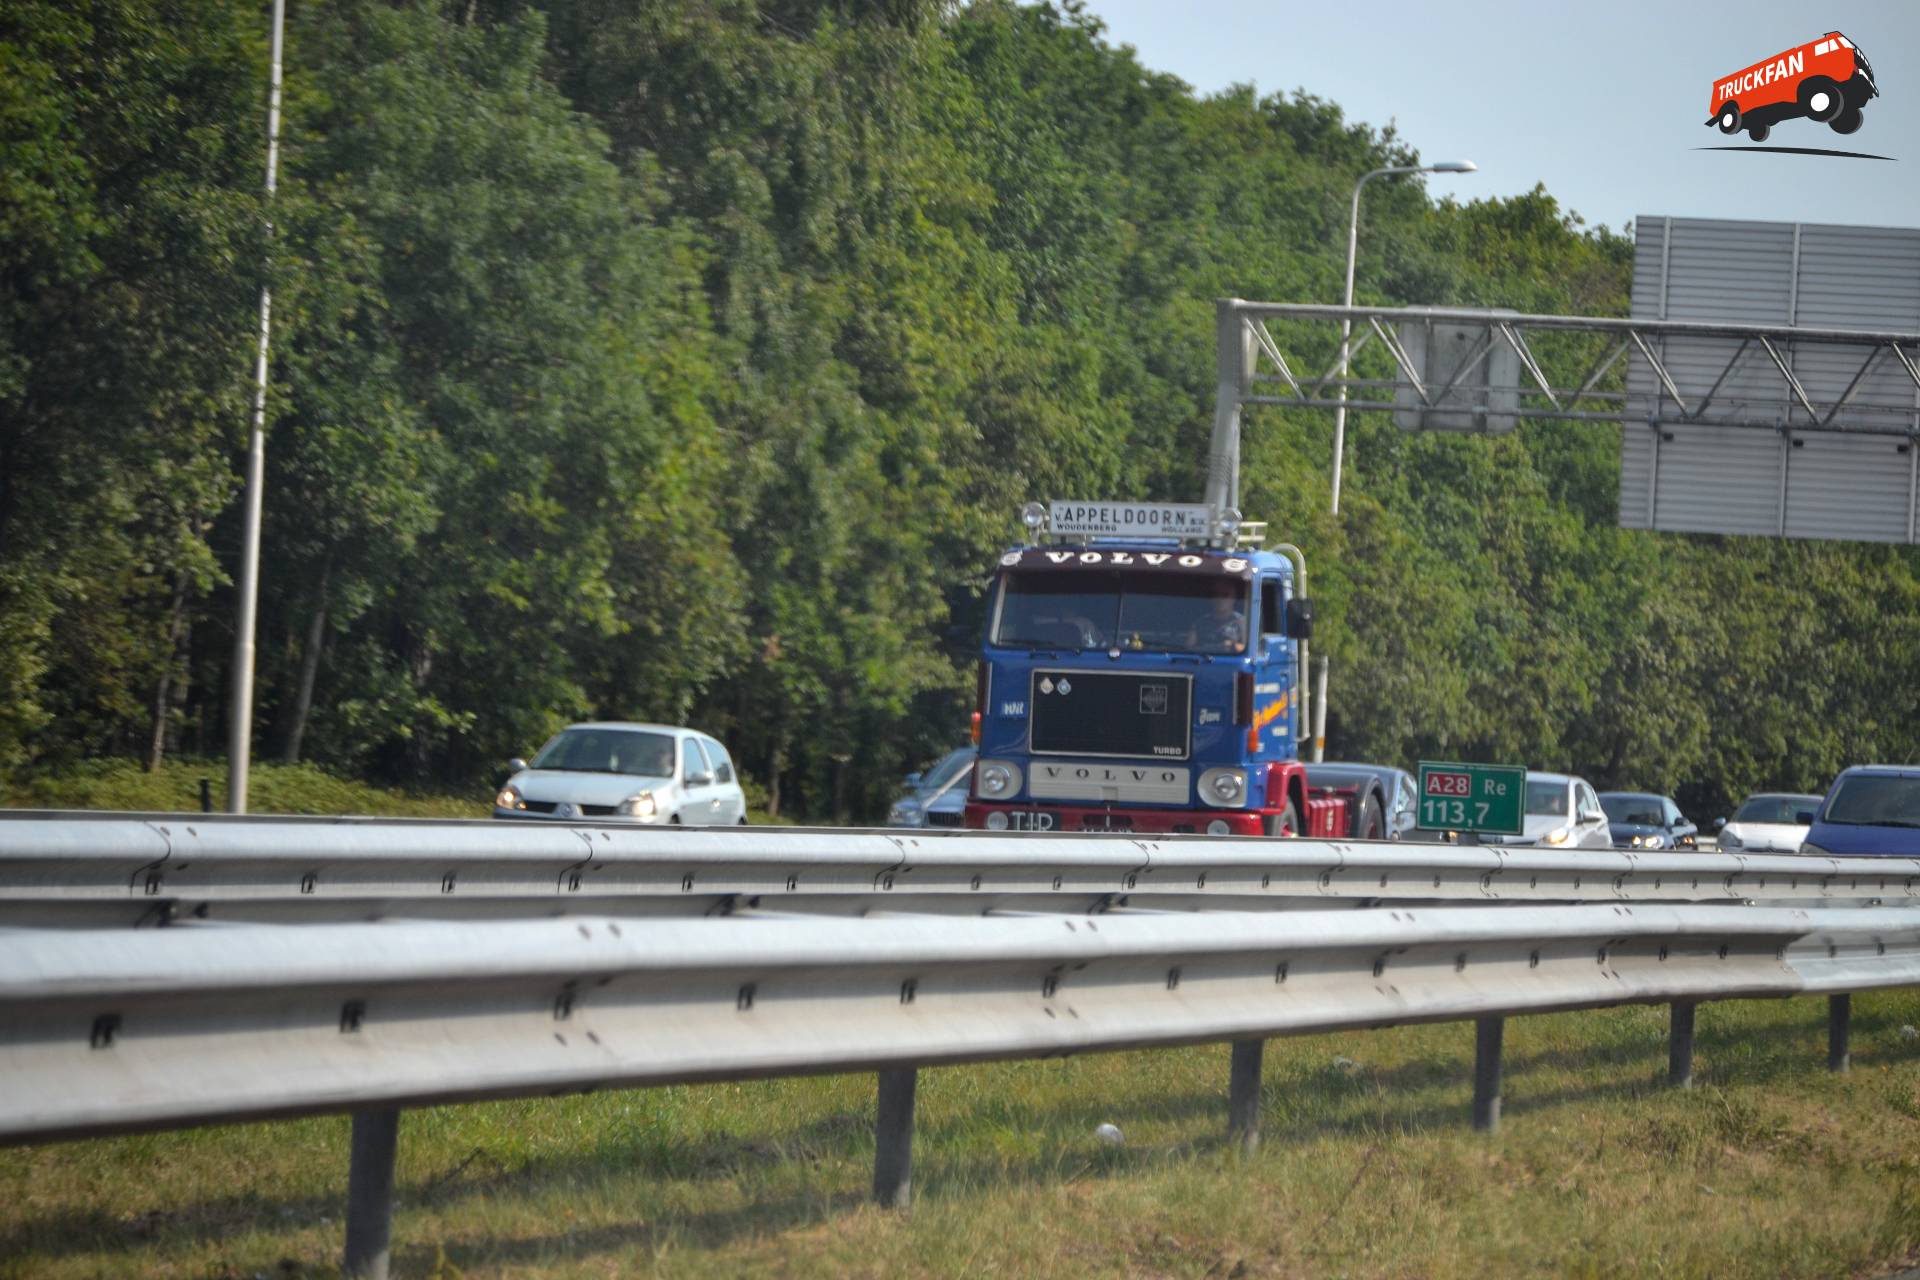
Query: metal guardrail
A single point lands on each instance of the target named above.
(112, 1031)
(948, 947)
(73, 870)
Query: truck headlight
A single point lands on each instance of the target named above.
(998, 778)
(904, 814)
(1223, 787)
(508, 799)
(640, 806)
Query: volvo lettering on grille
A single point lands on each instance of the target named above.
(1119, 783)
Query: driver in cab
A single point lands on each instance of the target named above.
(1223, 628)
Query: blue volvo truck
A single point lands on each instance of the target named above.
(1144, 669)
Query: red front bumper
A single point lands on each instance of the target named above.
(1053, 817)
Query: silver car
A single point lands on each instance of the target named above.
(1562, 813)
(1770, 822)
(619, 772)
(937, 798)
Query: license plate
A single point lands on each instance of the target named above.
(1111, 822)
(1022, 820)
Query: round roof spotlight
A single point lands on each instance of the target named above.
(1034, 516)
(1229, 522)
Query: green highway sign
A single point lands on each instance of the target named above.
(1490, 798)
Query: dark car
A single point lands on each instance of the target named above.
(1871, 810)
(1397, 790)
(1637, 820)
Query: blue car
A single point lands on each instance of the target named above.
(1871, 809)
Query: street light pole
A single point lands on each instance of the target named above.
(240, 708)
(1346, 298)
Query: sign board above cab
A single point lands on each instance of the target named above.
(1130, 519)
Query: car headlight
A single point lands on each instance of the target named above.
(1814, 851)
(1559, 835)
(509, 798)
(1728, 840)
(1223, 786)
(1634, 842)
(1655, 842)
(640, 806)
(998, 778)
(904, 814)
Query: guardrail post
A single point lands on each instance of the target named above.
(1680, 1045)
(1487, 1035)
(893, 1138)
(376, 1135)
(1839, 1015)
(1243, 1095)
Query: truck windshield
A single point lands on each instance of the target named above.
(1108, 609)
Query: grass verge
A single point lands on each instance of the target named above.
(1771, 1167)
(271, 788)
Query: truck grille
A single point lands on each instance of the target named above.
(1112, 713)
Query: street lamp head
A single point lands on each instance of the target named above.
(1453, 166)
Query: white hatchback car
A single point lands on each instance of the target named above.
(1562, 813)
(618, 772)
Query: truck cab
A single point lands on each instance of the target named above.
(1149, 684)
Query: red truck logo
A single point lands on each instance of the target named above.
(1828, 80)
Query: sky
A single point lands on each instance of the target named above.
(1604, 103)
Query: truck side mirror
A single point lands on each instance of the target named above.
(1299, 619)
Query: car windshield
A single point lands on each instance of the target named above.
(944, 774)
(632, 751)
(1103, 609)
(1778, 809)
(1547, 799)
(1628, 810)
(1876, 800)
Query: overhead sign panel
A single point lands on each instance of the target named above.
(1469, 378)
(1825, 441)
